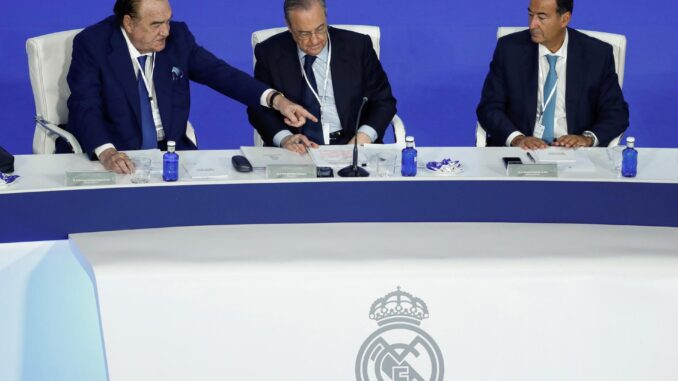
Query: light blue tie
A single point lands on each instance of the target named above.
(149, 138)
(548, 119)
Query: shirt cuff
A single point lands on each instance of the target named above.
(264, 97)
(595, 138)
(513, 136)
(278, 138)
(369, 131)
(102, 148)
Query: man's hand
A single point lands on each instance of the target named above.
(573, 141)
(297, 143)
(362, 139)
(528, 143)
(116, 161)
(295, 115)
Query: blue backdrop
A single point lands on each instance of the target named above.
(435, 52)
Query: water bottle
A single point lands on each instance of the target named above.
(409, 158)
(630, 158)
(170, 163)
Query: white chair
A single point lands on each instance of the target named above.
(375, 35)
(49, 58)
(618, 43)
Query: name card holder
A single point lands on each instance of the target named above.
(532, 170)
(276, 171)
(89, 178)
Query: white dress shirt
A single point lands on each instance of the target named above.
(328, 110)
(148, 72)
(560, 117)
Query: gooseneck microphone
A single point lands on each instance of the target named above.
(354, 170)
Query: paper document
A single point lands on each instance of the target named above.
(261, 157)
(568, 159)
(582, 163)
(206, 167)
(336, 156)
(555, 155)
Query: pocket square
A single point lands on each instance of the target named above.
(177, 73)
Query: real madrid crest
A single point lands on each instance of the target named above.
(399, 350)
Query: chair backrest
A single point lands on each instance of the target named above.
(618, 42)
(49, 58)
(262, 35)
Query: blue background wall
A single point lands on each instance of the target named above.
(436, 53)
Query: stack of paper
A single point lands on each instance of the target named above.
(261, 157)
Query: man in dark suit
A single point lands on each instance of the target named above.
(552, 85)
(129, 81)
(328, 71)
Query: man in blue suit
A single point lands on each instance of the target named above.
(328, 71)
(129, 81)
(552, 85)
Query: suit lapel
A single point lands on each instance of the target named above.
(162, 75)
(121, 64)
(338, 68)
(531, 62)
(290, 67)
(573, 85)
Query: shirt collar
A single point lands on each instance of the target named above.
(562, 52)
(133, 52)
(322, 56)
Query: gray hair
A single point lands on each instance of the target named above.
(291, 5)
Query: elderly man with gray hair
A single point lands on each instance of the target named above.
(328, 71)
(129, 81)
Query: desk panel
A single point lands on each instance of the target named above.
(268, 302)
(55, 214)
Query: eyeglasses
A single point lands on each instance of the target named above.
(321, 31)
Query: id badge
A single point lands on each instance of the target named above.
(326, 133)
(539, 130)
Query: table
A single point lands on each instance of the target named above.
(43, 209)
(592, 296)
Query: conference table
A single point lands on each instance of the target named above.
(476, 276)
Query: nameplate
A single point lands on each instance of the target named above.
(532, 170)
(89, 178)
(274, 171)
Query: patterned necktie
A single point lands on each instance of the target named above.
(548, 118)
(311, 130)
(149, 137)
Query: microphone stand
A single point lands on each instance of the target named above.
(354, 170)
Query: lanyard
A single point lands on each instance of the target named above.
(548, 100)
(147, 83)
(544, 104)
(327, 76)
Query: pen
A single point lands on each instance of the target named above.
(531, 157)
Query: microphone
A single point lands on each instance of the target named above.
(354, 170)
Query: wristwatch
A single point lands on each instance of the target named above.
(270, 100)
(591, 136)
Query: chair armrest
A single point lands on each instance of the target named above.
(481, 136)
(56, 130)
(398, 129)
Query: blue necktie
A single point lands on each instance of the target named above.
(311, 130)
(548, 118)
(149, 138)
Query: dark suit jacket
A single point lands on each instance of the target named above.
(356, 73)
(104, 102)
(594, 100)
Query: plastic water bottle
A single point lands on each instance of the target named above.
(630, 158)
(170, 163)
(409, 158)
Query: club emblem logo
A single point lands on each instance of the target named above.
(399, 350)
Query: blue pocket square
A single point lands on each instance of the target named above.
(177, 73)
